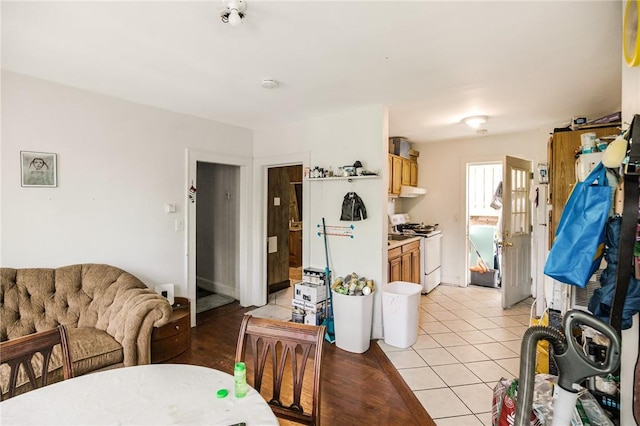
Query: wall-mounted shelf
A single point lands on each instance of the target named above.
(349, 178)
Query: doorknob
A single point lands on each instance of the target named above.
(502, 244)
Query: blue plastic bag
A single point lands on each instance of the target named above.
(579, 242)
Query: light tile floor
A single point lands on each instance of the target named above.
(466, 343)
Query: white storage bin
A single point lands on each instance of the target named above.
(400, 304)
(352, 316)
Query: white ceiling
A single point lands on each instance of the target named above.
(528, 65)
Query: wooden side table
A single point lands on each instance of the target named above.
(173, 338)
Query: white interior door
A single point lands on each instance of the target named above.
(515, 243)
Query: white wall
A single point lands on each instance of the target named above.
(630, 93)
(442, 170)
(118, 163)
(335, 140)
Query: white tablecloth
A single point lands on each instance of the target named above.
(160, 394)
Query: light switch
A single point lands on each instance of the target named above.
(169, 208)
(272, 244)
(179, 225)
(276, 201)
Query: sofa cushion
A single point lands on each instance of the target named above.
(93, 349)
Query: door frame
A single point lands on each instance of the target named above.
(193, 156)
(259, 234)
(465, 162)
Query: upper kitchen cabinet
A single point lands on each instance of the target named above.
(561, 151)
(403, 165)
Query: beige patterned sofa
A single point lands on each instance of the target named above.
(109, 314)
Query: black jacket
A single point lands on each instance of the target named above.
(353, 208)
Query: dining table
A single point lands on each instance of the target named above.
(156, 394)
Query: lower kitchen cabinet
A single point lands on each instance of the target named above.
(395, 265)
(404, 263)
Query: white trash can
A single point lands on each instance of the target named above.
(400, 304)
(352, 316)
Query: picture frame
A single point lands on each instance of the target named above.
(38, 169)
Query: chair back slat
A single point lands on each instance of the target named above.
(284, 343)
(19, 353)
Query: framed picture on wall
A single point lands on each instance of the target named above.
(39, 169)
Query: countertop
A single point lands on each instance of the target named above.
(395, 243)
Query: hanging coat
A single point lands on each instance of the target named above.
(602, 299)
(353, 208)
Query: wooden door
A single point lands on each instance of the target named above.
(277, 244)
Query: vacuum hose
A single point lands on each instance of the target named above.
(528, 365)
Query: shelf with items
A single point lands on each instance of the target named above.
(349, 178)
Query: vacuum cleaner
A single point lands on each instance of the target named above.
(573, 364)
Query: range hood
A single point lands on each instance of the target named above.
(411, 191)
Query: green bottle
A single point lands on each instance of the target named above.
(240, 380)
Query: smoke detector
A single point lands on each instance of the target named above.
(269, 83)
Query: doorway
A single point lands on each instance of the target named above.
(217, 226)
(498, 228)
(284, 226)
(484, 206)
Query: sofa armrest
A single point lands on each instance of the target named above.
(132, 325)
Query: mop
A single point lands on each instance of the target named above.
(329, 336)
(482, 266)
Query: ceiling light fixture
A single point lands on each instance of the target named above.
(269, 83)
(233, 12)
(475, 121)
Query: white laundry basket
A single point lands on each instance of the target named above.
(400, 304)
(352, 316)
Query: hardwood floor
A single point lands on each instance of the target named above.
(357, 389)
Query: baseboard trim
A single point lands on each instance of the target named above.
(407, 395)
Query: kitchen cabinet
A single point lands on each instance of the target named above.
(413, 165)
(562, 176)
(404, 263)
(396, 174)
(390, 167)
(395, 265)
(402, 171)
(406, 172)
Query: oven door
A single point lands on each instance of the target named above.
(432, 253)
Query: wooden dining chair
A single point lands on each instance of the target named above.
(20, 352)
(287, 346)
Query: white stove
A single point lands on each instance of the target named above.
(430, 248)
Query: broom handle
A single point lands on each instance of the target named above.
(326, 269)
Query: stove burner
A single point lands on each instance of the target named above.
(416, 228)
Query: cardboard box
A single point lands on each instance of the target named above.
(401, 146)
(310, 292)
(298, 303)
(315, 313)
(315, 307)
(315, 276)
